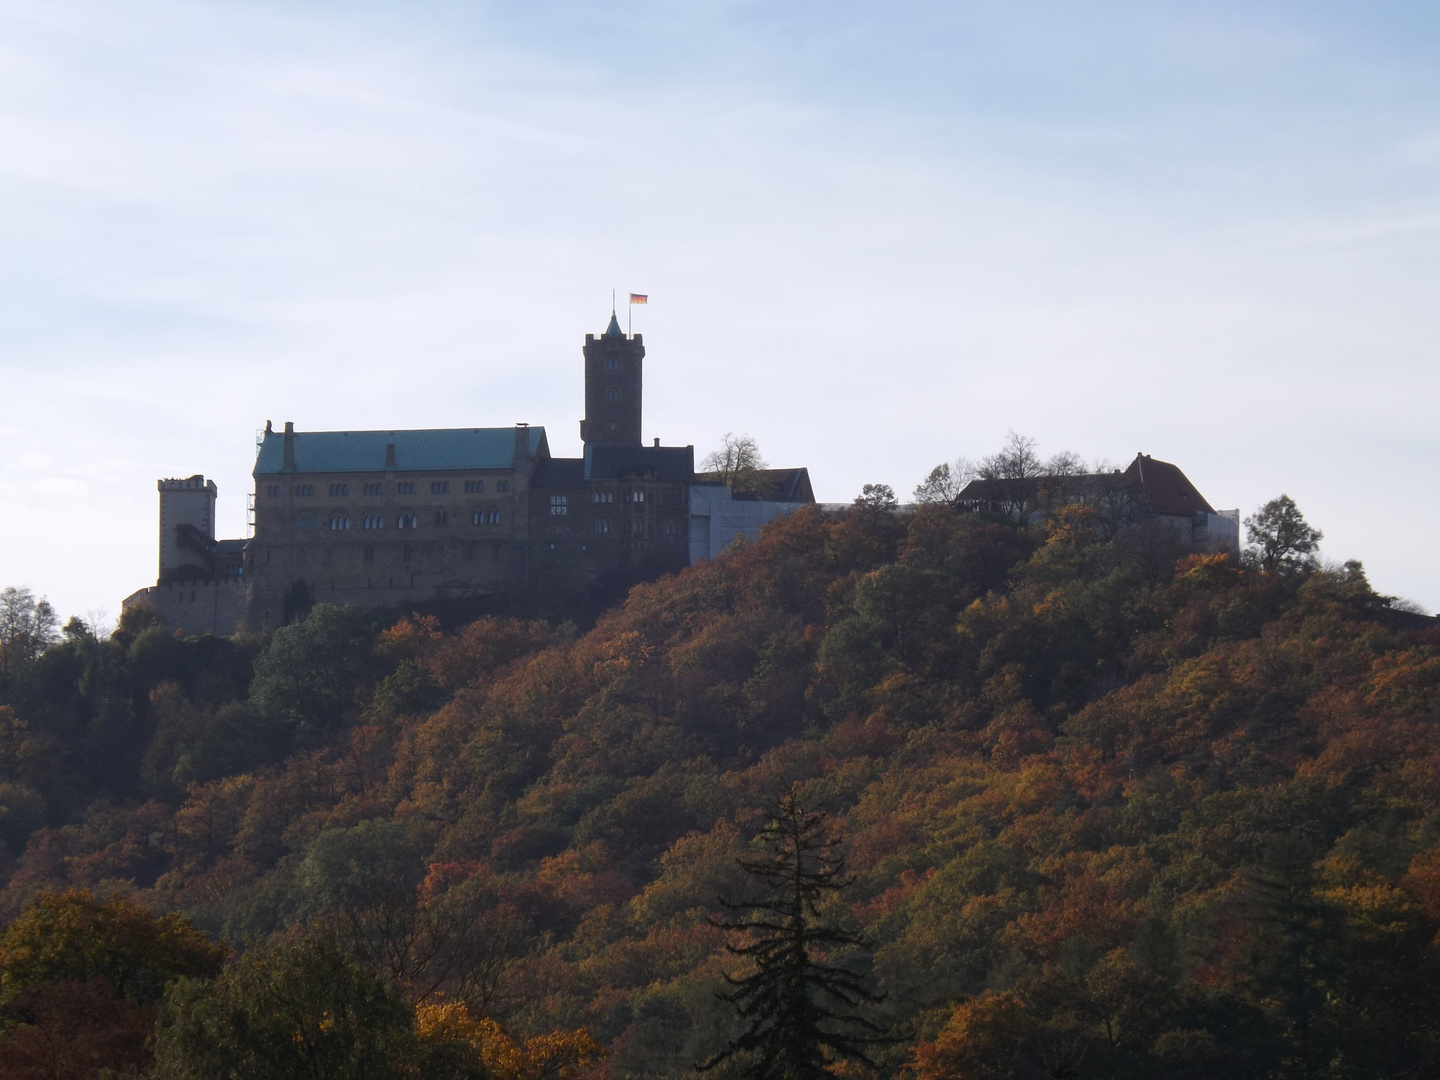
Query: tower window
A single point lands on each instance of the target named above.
(474, 487)
(612, 364)
(559, 505)
(612, 394)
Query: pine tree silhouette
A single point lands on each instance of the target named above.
(795, 1005)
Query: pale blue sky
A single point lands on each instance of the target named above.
(875, 237)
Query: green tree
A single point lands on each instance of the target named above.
(293, 1008)
(1281, 537)
(795, 1005)
(310, 673)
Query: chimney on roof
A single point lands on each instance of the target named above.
(390, 455)
(657, 442)
(288, 462)
(268, 429)
(522, 441)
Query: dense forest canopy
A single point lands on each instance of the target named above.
(1107, 808)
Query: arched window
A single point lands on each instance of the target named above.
(407, 519)
(442, 518)
(406, 553)
(305, 520)
(374, 521)
(340, 521)
(602, 525)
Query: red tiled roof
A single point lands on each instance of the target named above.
(1166, 488)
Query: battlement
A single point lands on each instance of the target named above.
(190, 483)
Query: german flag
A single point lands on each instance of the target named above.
(639, 298)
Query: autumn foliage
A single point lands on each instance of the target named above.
(1111, 808)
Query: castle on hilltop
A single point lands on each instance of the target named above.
(396, 519)
(391, 518)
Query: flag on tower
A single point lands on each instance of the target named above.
(639, 298)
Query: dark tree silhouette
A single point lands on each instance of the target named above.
(794, 1004)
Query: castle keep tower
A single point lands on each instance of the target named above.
(187, 528)
(613, 369)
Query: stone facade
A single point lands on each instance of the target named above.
(387, 519)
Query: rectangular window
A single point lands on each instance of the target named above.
(558, 507)
(339, 489)
(440, 487)
(474, 487)
(372, 489)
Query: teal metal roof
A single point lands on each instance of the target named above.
(429, 450)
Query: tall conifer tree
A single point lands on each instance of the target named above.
(796, 1005)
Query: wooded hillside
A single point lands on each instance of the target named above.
(1109, 809)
